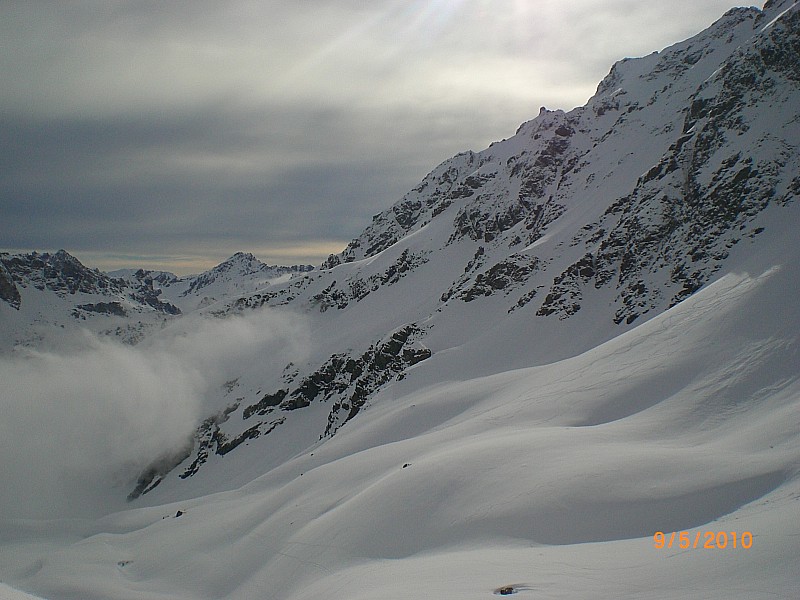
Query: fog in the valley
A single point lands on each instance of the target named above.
(81, 421)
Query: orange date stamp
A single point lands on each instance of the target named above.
(703, 539)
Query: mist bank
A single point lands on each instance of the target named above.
(81, 421)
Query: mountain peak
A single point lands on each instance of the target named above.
(242, 256)
(242, 260)
(241, 272)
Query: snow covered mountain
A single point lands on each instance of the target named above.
(580, 227)
(44, 293)
(542, 355)
(242, 273)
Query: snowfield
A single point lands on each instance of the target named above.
(552, 480)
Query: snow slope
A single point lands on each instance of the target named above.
(552, 479)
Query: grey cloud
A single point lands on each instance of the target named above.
(147, 127)
(155, 180)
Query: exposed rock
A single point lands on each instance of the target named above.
(64, 275)
(503, 276)
(105, 308)
(8, 290)
(356, 287)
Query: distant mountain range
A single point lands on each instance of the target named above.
(241, 274)
(55, 290)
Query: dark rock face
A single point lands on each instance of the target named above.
(210, 437)
(350, 378)
(60, 272)
(565, 295)
(688, 211)
(154, 474)
(346, 380)
(503, 276)
(356, 287)
(485, 222)
(106, 308)
(8, 290)
(375, 367)
(64, 275)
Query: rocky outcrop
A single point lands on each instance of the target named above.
(345, 380)
(61, 273)
(357, 287)
(351, 379)
(65, 276)
(104, 308)
(502, 277)
(703, 197)
(8, 290)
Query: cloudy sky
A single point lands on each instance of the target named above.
(173, 134)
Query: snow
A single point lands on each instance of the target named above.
(551, 478)
(9, 593)
(533, 453)
(554, 477)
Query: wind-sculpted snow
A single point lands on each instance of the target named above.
(552, 478)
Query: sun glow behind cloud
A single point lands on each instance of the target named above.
(380, 33)
(442, 56)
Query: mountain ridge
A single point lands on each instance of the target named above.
(523, 236)
(46, 289)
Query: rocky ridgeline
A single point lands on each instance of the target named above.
(65, 276)
(632, 202)
(723, 106)
(345, 381)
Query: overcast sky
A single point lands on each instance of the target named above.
(173, 134)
